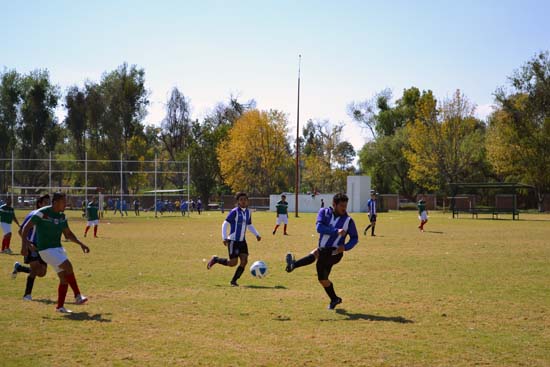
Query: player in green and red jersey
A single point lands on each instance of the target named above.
(7, 215)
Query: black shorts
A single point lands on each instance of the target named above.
(325, 262)
(236, 248)
(372, 218)
(33, 256)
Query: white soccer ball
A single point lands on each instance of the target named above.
(258, 269)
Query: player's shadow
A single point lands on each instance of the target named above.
(264, 287)
(436, 232)
(46, 301)
(85, 316)
(362, 316)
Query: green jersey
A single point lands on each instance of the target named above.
(282, 207)
(49, 226)
(6, 214)
(92, 212)
(421, 207)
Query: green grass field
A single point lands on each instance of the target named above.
(466, 292)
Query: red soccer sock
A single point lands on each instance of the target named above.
(422, 224)
(86, 230)
(70, 278)
(4, 246)
(95, 231)
(285, 228)
(61, 294)
(8, 240)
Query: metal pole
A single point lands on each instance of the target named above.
(50, 174)
(155, 204)
(188, 179)
(12, 177)
(86, 177)
(297, 181)
(121, 185)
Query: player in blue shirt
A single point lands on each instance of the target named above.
(37, 267)
(371, 207)
(333, 225)
(239, 220)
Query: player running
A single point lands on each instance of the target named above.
(333, 225)
(7, 215)
(238, 219)
(50, 222)
(37, 267)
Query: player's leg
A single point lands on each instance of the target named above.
(324, 266)
(285, 222)
(38, 269)
(231, 260)
(96, 226)
(18, 268)
(243, 257)
(86, 230)
(373, 224)
(292, 264)
(70, 278)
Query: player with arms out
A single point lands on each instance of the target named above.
(238, 220)
(50, 223)
(333, 225)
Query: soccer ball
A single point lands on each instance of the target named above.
(258, 269)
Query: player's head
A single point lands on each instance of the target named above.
(283, 196)
(340, 203)
(59, 201)
(242, 199)
(373, 194)
(43, 201)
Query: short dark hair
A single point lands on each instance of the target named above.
(58, 196)
(41, 199)
(239, 194)
(340, 197)
(283, 196)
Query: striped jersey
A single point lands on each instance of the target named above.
(238, 219)
(32, 234)
(328, 225)
(371, 206)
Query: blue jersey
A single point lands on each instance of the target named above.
(371, 206)
(328, 225)
(239, 219)
(31, 236)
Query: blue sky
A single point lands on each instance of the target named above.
(211, 49)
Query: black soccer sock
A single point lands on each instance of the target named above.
(222, 261)
(309, 259)
(30, 284)
(330, 292)
(372, 231)
(23, 269)
(238, 273)
(366, 229)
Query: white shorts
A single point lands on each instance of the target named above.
(92, 223)
(54, 256)
(423, 215)
(6, 227)
(282, 219)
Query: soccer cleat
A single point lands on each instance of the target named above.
(63, 310)
(273, 232)
(334, 302)
(8, 251)
(234, 283)
(289, 262)
(211, 263)
(286, 234)
(80, 299)
(27, 297)
(365, 232)
(15, 268)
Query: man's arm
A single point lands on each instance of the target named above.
(71, 237)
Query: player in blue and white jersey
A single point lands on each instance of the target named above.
(238, 221)
(37, 266)
(333, 225)
(371, 208)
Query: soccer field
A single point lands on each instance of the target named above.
(465, 292)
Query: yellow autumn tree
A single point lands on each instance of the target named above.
(446, 144)
(256, 157)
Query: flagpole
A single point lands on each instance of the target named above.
(297, 182)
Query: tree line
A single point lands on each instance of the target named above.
(419, 144)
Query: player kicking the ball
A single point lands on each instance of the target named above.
(238, 219)
(333, 225)
(50, 222)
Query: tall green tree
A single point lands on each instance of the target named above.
(10, 100)
(518, 141)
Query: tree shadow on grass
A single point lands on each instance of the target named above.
(362, 316)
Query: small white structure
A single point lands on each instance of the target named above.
(358, 191)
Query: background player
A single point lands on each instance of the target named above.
(7, 215)
(239, 220)
(282, 214)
